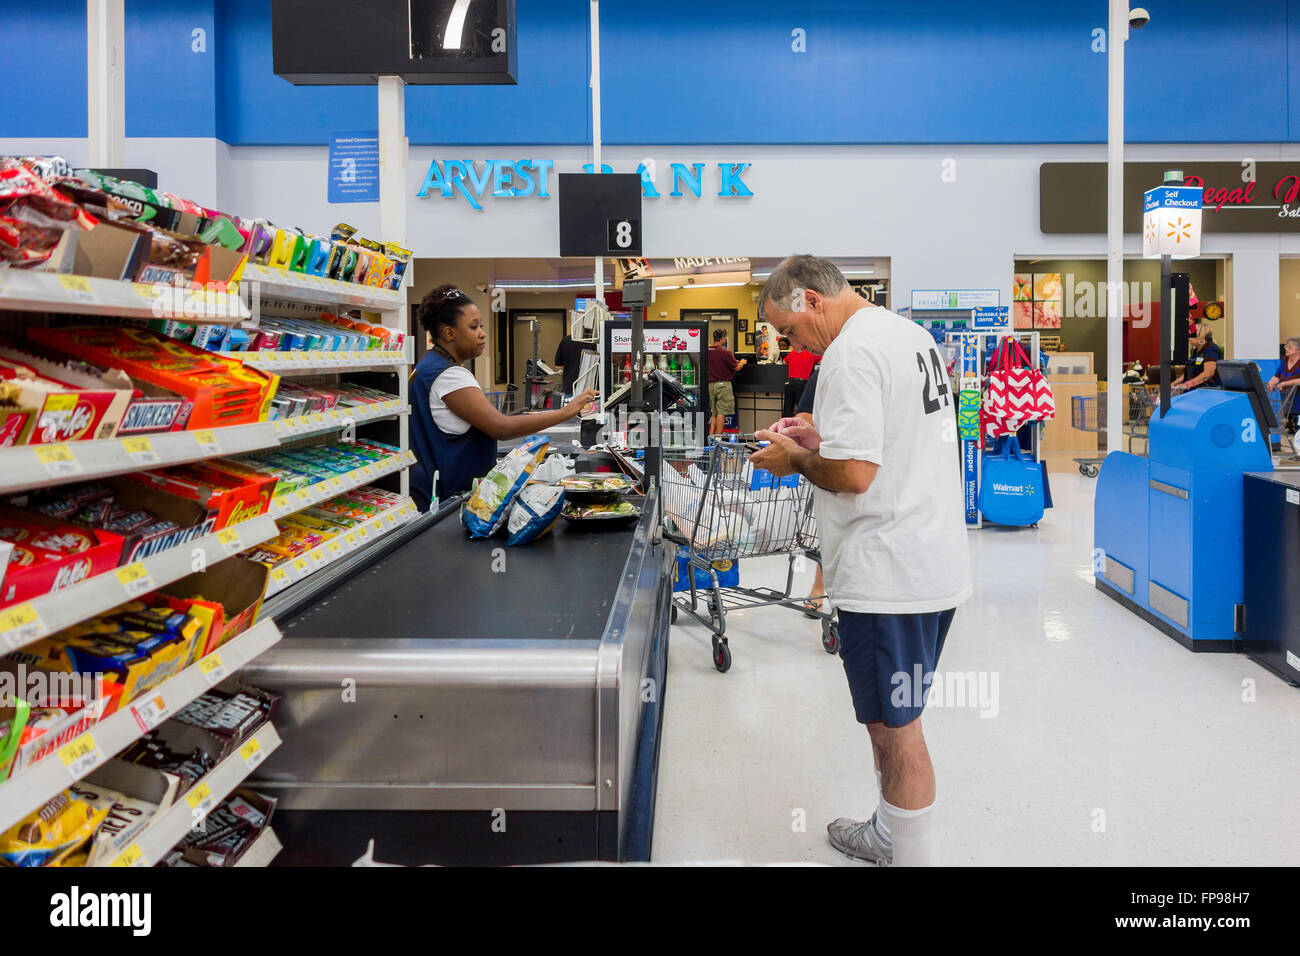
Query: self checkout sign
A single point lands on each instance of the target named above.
(600, 214)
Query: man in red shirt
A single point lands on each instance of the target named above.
(723, 367)
(799, 365)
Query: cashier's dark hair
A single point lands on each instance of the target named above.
(442, 306)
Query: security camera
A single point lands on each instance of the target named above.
(1138, 18)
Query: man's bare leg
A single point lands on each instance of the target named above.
(907, 790)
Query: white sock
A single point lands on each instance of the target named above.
(907, 831)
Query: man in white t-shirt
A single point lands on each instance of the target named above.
(883, 453)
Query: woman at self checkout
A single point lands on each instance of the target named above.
(454, 428)
(1202, 367)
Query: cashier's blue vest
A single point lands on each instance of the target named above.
(458, 459)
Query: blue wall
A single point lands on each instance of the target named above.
(686, 71)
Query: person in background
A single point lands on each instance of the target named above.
(883, 455)
(568, 359)
(454, 428)
(1288, 378)
(799, 366)
(723, 366)
(1202, 366)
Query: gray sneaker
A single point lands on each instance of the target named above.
(859, 841)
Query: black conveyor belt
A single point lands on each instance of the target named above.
(441, 584)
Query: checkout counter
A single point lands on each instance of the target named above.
(460, 702)
(1168, 528)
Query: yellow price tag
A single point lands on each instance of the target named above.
(140, 451)
(58, 460)
(61, 403)
(20, 624)
(81, 756)
(135, 579)
(252, 753)
(212, 667)
(300, 564)
(317, 418)
(144, 291)
(228, 538)
(131, 856)
(336, 482)
(78, 287)
(317, 557)
(333, 413)
(335, 547)
(350, 538)
(208, 443)
(304, 494)
(279, 574)
(198, 795)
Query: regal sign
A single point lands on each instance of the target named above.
(1236, 196)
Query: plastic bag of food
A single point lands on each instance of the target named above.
(55, 832)
(552, 470)
(534, 513)
(488, 507)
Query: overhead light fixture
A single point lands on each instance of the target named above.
(847, 273)
(455, 25)
(526, 286)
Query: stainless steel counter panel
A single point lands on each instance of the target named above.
(456, 723)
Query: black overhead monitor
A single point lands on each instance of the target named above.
(1244, 377)
(341, 42)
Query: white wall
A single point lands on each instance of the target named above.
(836, 200)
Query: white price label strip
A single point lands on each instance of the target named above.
(58, 460)
(150, 713)
(81, 756)
(213, 668)
(135, 579)
(21, 624)
(140, 451)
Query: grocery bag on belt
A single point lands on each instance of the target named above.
(485, 511)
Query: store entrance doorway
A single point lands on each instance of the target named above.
(552, 328)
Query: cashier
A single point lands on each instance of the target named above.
(1202, 367)
(454, 428)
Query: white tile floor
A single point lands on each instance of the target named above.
(1112, 744)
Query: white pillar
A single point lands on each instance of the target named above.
(595, 125)
(392, 159)
(105, 88)
(1116, 36)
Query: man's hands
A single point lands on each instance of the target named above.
(781, 455)
(800, 431)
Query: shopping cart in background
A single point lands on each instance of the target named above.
(1088, 414)
(719, 508)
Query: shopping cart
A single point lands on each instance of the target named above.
(720, 508)
(1088, 414)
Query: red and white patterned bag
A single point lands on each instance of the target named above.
(1015, 392)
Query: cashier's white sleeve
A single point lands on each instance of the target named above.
(850, 413)
(452, 380)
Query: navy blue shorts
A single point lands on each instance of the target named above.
(890, 660)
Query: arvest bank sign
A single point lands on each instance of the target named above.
(489, 179)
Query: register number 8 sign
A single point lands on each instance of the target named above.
(624, 235)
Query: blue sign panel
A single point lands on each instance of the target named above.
(992, 317)
(354, 167)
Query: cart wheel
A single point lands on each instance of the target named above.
(1092, 471)
(672, 615)
(721, 656)
(831, 637)
(1083, 470)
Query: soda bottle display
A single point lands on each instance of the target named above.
(649, 365)
(663, 362)
(688, 373)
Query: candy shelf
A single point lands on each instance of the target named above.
(300, 287)
(29, 291)
(263, 850)
(282, 505)
(339, 547)
(311, 363)
(21, 795)
(23, 623)
(168, 828)
(36, 466)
